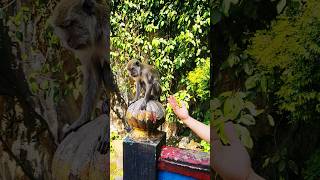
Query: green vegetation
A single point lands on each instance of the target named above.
(269, 62)
(115, 170)
(292, 46)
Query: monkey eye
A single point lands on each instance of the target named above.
(137, 63)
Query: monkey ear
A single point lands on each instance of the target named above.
(88, 6)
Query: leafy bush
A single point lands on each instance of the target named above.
(288, 53)
(312, 170)
(236, 107)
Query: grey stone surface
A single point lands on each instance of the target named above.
(77, 156)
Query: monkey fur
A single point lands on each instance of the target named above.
(83, 28)
(147, 78)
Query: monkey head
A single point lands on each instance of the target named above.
(134, 68)
(80, 24)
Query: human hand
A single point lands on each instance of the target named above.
(231, 161)
(182, 111)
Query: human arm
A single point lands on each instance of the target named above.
(202, 130)
(231, 162)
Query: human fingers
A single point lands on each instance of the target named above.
(173, 102)
(231, 133)
(215, 139)
(184, 104)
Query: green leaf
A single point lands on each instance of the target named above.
(270, 120)
(281, 165)
(233, 60)
(19, 35)
(293, 166)
(217, 122)
(232, 107)
(45, 84)
(226, 6)
(2, 14)
(280, 6)
(244, 136)
(226, 94)
(248, 69)
(275, 158)
(259, 111)
(266, 162)
(263, 84)
(251, 107)
(241, 94)
(222, 134)
(218, 113)
(250, 82)
(216, 17)
(247, 119)
(33, 86)
(224, 65)
(215, 104)
(284, 152)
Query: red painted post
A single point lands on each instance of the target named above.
(186, 162)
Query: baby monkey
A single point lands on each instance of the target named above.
(147, 77)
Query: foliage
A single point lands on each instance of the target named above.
(52, 76)
(205, 146)
(281, 162)
(289, 52)
(234, 106)
(198, 80)
(115, 171)
(172, 36)
(113, 136)
(312, 170)
(274, 60)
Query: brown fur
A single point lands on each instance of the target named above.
(83, 28)
(148, 78)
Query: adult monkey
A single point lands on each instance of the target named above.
(83, 28)
(147, 78)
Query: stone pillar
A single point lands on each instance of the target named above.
(140, 156)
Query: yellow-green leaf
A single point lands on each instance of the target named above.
(247, 119)
(270, 120)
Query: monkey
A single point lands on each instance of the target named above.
(148, 78)
(83, 27)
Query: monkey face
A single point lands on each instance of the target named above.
(76, 23)
(133, 68)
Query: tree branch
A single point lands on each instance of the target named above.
(16, 159)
